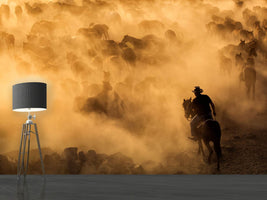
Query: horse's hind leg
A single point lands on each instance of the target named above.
(253, 91)
(200, 148)
(248, 92)
(209, 148)
(217, 148)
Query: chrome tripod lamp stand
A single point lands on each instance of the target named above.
(28, 97)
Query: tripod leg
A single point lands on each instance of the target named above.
(22, 138)
(39, 147)
(28, 155)
(24, 146)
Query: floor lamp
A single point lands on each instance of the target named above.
(28, 97)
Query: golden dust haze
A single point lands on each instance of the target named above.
(116, 95)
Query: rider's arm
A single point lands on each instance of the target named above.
(212, 106)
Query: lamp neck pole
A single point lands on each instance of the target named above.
(29, 120)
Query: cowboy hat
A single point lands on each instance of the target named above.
(197, 90)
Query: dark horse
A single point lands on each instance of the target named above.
(207, 131)
(249, 76)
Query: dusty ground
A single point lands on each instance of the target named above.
(244, 149)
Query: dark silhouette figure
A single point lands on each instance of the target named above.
(135, 42)
(249, 48)
(250, 80)
(239, 60)
(248, 75)
(203, 126)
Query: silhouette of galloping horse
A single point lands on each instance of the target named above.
(208, 131)
(249, 76)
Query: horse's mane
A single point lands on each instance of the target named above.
(187, 104)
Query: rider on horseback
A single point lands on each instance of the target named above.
(202, 110)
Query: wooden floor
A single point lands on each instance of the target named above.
(73, 187)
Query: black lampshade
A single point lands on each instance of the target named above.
(29, 97)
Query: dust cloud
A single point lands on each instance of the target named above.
(118, 71)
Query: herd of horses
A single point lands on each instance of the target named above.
(251, 30)
(242, 56)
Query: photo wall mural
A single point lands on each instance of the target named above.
(117, 74)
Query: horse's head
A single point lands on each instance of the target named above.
(187, 107)
(125, 39)
(242, 42)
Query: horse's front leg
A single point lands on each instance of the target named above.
(209, 148)
(200, 148)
